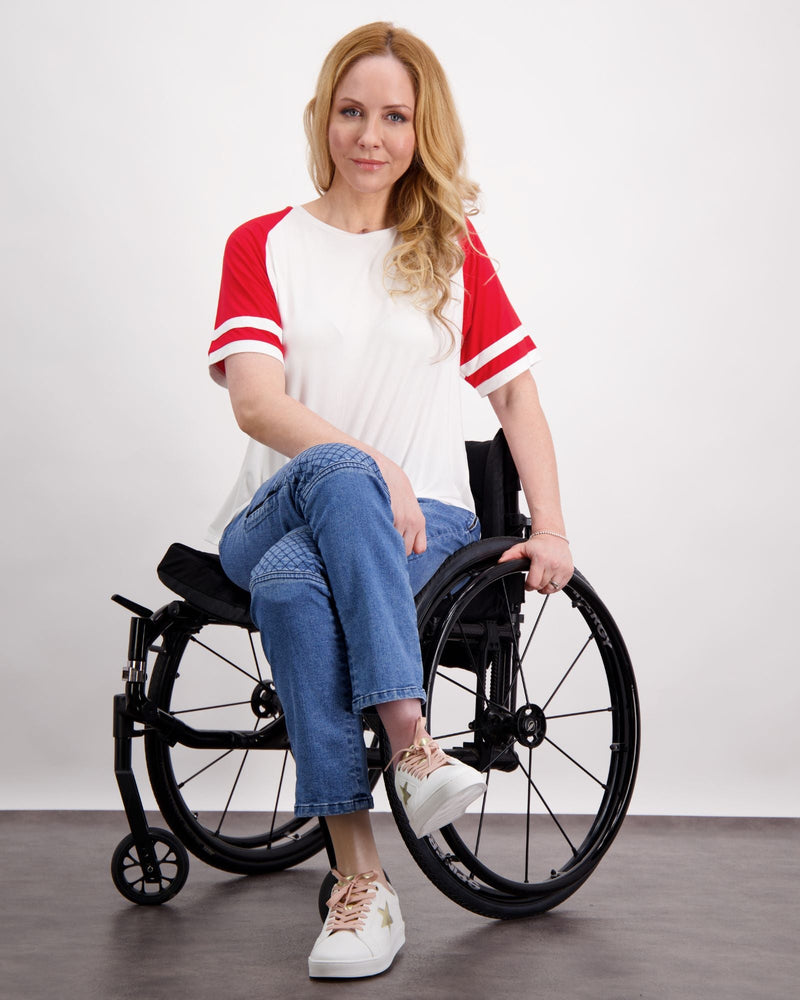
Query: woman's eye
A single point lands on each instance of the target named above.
(396, 116)
(351, 112)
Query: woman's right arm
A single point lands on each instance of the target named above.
(263, 410)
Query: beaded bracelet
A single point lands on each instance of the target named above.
(554, 533)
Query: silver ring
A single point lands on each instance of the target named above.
(554, 585)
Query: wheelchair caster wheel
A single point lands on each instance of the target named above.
(130, 878)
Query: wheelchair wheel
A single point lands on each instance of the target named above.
(538, 693)
(132, 880)
(231, 808)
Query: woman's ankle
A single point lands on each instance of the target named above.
(400, 719)
(353, 843)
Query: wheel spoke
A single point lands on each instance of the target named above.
(549, 810)
(568, 671)
(474, 694)
(528, 819)
(535, 626)
(466, 642)
(277, 797)
(255, 657)
(222, 756)
(521, 657)
(480, 821)
(224, 659)
(575, 762)
(447, 736)
(588, 711)
(497, 756)
(517, 660)
(233, 789)
(208, 708)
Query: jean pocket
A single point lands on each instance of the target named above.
(260, 508)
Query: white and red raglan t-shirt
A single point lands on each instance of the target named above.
(372, 363)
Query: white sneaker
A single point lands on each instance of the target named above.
(435, 789)
(363, 931)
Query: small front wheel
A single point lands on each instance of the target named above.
(150, 889)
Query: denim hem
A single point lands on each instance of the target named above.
(286, 574)
(311, 809)
(391, 694)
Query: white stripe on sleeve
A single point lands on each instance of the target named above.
(254, 322)
(491, 352)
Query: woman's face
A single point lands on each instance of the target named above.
(371, 126)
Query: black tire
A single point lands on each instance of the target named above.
(552, 721)
(217, 680)
(129, 875)
(325, 891)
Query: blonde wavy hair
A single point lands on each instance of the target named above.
(429, 203)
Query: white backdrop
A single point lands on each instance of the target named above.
(639, 160)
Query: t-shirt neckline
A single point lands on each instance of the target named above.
(344, 232)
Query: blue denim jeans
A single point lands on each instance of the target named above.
(332, 594)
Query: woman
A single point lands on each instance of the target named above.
(342, 330)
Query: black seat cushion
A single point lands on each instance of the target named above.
(200, 579)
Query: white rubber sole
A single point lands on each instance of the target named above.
(446, 805)
(355, 970)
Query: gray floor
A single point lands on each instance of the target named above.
(679, 908)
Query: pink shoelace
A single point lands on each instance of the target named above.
(349, 901)
(422, 758)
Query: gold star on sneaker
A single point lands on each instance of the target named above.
(386, 917)
(406, 794)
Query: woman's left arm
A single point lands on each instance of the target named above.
(520, 414)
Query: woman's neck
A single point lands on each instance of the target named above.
(359, 214)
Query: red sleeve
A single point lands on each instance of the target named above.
(248, 318)
(494, 347)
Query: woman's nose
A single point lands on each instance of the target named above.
(370, 134)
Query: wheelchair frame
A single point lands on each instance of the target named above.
(470, 617)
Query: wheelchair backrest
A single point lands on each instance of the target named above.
(495, 487)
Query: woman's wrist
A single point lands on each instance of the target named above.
(547, 531)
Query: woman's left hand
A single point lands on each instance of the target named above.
(551, 562)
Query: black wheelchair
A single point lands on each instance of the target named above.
(536, 692)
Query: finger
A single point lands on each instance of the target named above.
(420, 542)
(515, 552)
(534, 580)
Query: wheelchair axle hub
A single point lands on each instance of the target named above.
(527, 726)
(264, 701)
(531, 725)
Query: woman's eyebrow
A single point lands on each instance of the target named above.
(386, 107)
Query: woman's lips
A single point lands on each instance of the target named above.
(369, 164)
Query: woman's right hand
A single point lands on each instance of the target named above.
(408, 517)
